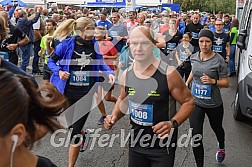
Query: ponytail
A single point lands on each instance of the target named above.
(64, 29)
(45, 104)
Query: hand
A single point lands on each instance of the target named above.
(111, 79)
(48, 40)
(38, 9)
(162, 129)
(109, 121)
(207, 80)
(120, 64)
(12, 46)
(227, 59)
(118, 38)
(109, 38)
(180, 63)
(35, 8)
(40, 53)
(64, 75)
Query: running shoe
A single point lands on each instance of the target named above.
(220, 155)
(85, 139)
(82, 148)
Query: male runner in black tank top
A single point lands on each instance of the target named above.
(151, 88)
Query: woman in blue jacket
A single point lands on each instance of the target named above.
(75, 66)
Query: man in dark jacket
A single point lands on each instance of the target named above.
(25, 26)
(11, 43)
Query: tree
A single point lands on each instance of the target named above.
(211, 6)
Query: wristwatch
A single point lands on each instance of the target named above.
(174, 123)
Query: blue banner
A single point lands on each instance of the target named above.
(172, 7)
(121, 2)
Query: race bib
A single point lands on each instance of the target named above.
(141, 114)
(195, 35)
(201, 91)
(171, 46)
(217, 48)
(79, 78)
(114, 33)
(225, 30)
(4, 55)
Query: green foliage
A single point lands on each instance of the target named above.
(211, 6)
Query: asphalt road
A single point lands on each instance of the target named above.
(238, 141)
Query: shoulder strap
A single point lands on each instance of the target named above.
(172, 101)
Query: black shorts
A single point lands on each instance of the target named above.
(46, 72)
(137, 159)
(13, 58)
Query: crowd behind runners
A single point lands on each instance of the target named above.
(82, 48)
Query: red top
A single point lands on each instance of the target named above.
(107, 48)
(129, 24)
(163, 28)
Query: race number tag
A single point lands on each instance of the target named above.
(217, 48)
(201, 91)
(171, 46)
(114, 33)
(4, 55)
(79, 78)
(225, 30)
(141, 114)
(195, 35)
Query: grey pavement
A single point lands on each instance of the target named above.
(238, 141)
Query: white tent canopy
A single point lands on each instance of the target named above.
(78, 2)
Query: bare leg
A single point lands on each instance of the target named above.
(110, 97)
(100, 102)
(73, 154)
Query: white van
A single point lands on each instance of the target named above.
(243, 98)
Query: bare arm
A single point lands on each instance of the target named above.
(228, 48)
(161, 41)
(49, 49)
(20, 43)
(111, 57)
(23, 41)
(178, 60)
(223, 82)
(228, 52)
(190, 78)
(180, 93)
(120, 107)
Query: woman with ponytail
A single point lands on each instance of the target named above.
(26, 115)
(75, 66)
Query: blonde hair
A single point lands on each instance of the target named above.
(71, 25)
(143, 14)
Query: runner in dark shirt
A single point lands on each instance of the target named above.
(10, 43)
